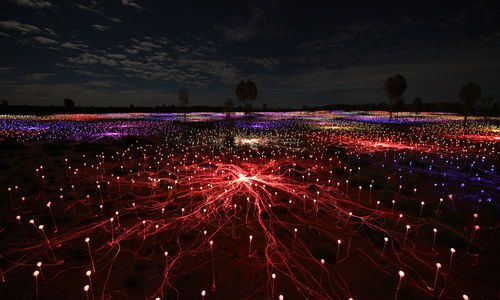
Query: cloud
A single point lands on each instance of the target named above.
(73, 46)
(367, 32)
(268, 63)
(36, 4)
(257, 24)
(100, 83)
(145, 45)
(116, 56)
(89, 8)
(145, 59)
(37, 76)
(116, 20)
(46, 41)
(25, 29)
(21, 27)
(51, 32)
(108, 61)
(242, 30)
(84, 59)
(132, 51)
(100, 27)
(132, 3)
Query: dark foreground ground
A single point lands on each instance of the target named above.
(297, 187)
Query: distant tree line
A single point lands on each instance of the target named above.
(469, 96)
(454, 107)
(471, 101)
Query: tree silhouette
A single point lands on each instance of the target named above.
(228, 107)
(68, 103)
(469, 94)
(246, 91)
(400, 106)
(394, 88)
(184, 100)
(417, 104)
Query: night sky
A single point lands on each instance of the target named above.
(121, 52)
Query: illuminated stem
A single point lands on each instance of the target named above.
(338, 250)
(250, 247)
(53, 220)
(406, 235)
(383, 248)
(213, 265)
(438, 266)
(112, 230)
(434, 233)
(273, 276)
(36, 285)
(401, 276)
(48, 243)
(91, 287)
(87, 240)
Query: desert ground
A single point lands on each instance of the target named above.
(292, 205)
